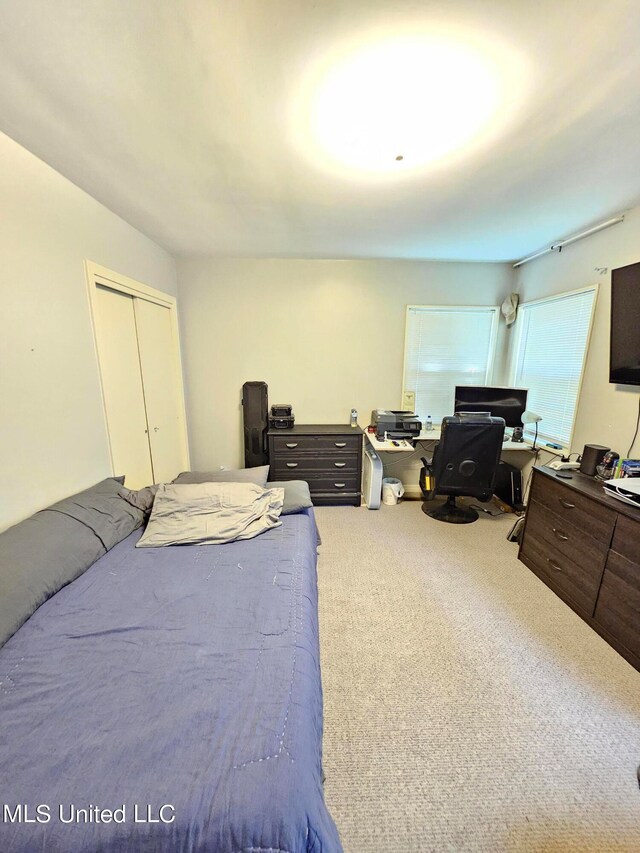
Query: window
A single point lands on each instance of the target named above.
(445, 347)
(549, 356)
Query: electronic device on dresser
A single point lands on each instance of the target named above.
(281, 410)
(584, 545)
(395, 424)
(507, 403)
(327, 456)
(255, 409)
(282, 416)
(592, 456)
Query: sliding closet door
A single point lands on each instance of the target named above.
(117, 341)
(162, 385)
(138, 352)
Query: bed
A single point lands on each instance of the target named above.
(170, 700)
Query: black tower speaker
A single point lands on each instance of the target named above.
(255, 414)
(592, 456)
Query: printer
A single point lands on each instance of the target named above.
(395, 424)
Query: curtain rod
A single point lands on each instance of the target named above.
(573, 239)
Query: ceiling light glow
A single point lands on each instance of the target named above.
(428, 97)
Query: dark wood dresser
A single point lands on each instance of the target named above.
(585, 545)
(327, 456)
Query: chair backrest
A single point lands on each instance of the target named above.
(467, 456)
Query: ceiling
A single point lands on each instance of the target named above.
(194, 121)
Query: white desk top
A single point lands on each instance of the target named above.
(387, 446)
(432, 435)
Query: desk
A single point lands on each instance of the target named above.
(404, 467)
(387, 446)
(406, 446)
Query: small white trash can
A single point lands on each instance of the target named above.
(392, 490)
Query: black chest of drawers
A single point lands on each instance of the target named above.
(585, 545)
(327, 456)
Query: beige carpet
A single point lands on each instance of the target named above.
(466, 707)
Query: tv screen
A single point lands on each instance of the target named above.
(507, 403)
(624, 363)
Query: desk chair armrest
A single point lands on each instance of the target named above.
(427, 480)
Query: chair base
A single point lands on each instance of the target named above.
(451, 512)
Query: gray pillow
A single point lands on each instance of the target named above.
(103, 511)
(142, 499)
(239, 475)
(55, 546)
(296, 495)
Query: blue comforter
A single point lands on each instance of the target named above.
(170, 700)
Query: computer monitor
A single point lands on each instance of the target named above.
(507, 403)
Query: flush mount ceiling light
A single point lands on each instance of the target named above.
(402, 103)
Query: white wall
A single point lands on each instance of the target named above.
(606, 413)
(52, 433)
(325, 335)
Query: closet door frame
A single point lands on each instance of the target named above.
(101, 276)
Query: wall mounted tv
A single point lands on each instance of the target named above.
(624, 363)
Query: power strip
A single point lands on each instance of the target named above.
(559, 465)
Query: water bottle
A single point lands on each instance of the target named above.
(354, 418)
(428, 425)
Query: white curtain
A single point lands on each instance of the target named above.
(548, 360)
(446, 347)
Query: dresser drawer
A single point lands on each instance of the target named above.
(563, 536)
(336, 499)
(566, 577)
(334, 485)
(618, 609)
(303, 466)
(316, 443)
(626, 539)
(570, 505)
(321, 481)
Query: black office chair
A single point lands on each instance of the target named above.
(464, 462)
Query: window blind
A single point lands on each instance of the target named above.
(549, 359)
(445, 347)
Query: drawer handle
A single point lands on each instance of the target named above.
(339, 464)
(339, 485)
(340, 443)
(292, 444)
(566, 504)
(292, 464)
(554, 565)
(560, 534)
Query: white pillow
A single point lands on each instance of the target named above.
(210, 513)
